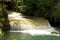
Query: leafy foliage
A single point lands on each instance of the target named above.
(41, 8)
(4, 23)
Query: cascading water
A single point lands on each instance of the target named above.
(31, 25)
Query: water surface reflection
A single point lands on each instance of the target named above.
(25, 36)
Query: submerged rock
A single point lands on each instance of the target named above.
(54, 32)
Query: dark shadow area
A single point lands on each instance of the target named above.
(8, 5)
(6, 25)
(55, 23)
(5, 22)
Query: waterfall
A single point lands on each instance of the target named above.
(31, 25)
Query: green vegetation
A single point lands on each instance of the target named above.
(40, 8)
(4, 23)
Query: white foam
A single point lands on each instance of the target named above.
(37, 32)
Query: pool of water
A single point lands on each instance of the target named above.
(25, 36)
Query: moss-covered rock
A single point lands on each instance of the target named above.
(1, 33)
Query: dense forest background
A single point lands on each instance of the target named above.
(49, 9)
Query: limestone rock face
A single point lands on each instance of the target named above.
(19, 21)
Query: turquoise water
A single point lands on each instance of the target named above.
(25, 36)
